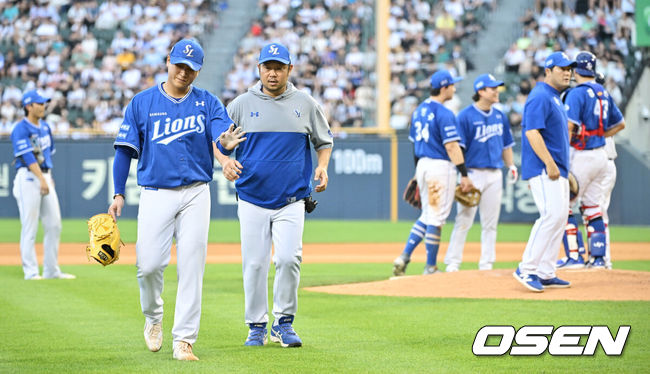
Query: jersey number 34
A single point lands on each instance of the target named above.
(421, 132)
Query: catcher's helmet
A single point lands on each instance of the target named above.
(586, 64)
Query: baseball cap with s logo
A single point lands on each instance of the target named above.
(275, 52)
(188, 52)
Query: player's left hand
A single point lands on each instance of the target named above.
(321, 174)
(232, 137)
(513, 175)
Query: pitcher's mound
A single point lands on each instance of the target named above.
(500, 284)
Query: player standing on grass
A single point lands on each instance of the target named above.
(272, 172)
(170, 128)
(434, 132)
(593, 116)
(488, 144)
(545, 164)
(34, 189)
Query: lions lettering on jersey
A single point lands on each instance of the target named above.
(172, 130)
(485, 132)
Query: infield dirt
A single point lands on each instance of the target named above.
(586, 284)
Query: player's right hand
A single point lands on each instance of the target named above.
(115, 210)
(45, 189)
(231, 169)
(232, 137)
(552, 171)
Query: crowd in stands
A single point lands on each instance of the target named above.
(332, 42)
(90, 57)
(602, 27)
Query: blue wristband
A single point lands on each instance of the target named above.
(221, 149)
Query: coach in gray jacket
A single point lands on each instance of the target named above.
(272, 171)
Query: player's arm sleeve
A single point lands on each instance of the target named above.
(28, 158)
(220, 121)
(121, 166)
(615, 117)
(449, 128)
(464, 129)
(21, 143)
(534, 117)
(321, 135)
(412, 129)
(573, 103)
(129, 133)
(508, 139)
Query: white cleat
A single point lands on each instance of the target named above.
(153, 336)
(183, 352)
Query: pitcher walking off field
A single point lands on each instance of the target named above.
(170, 129)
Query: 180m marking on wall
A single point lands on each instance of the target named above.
(357, 161)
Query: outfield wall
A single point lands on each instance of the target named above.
(359, 185)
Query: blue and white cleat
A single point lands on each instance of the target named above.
(571, 263)
(256, 335)
(530, 281)
(283, 333)
(554, 283)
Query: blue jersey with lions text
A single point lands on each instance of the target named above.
(171, 137)
(26, 137)
(486, 134)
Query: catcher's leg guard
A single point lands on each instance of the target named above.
(573, 259)
(597, 244)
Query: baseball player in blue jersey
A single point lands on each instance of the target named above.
(545, 164)
(34, 191)
(170, 128)
(437, 141)
(488, 144)
(272, 172)
(593, 116)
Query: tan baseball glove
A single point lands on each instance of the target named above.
(105, 241)
(574, 187)
(470, 198)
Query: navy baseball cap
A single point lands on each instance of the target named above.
(187, 52)
(442, 78)
(31, 97)
(486, 80)
(586, 64)
(275, 52)
(558, 59)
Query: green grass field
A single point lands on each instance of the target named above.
(94, 325)
(317, 231)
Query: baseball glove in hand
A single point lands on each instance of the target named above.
(105, 241)
(412, 194)
(470, 198)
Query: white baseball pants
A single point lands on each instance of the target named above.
(608, 181)
(588, 166)
(260, 228)
(439, 178)
(182, 213)
(490, 183)
(552, 200)
(32, 206)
